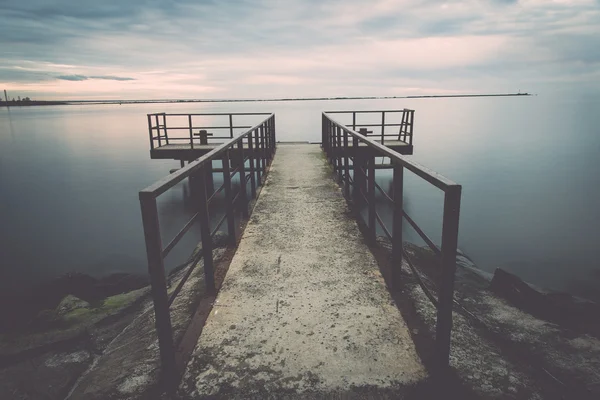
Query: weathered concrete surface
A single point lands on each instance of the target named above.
(303, 308)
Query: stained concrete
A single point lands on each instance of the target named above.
(303, 308)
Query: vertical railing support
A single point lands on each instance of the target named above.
(158, 284)
(446, 291)
(371, 198)
(354, 121)
(251, 155)
(207, 245)
(231, 126)
(382, 127)
(157, 130)
(357, 173)
(228, 199)
(150, 131)
(242, 173)
(258, 156)
(397, 243)
(165, 128)
(191, 133)
(346, 166)
(340, 153)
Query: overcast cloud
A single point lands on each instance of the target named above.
(257, 49)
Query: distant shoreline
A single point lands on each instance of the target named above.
(159, 101)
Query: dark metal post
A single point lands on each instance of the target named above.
(354, 121)
(274, 136)
(242, 173)
(157, 129)
(340, 154)
(210, 183)
(346, 166)
(412, 125)
(165, 128)
(397, 243)
(257, 152)
(357, 174)
(251, 162)
(446, 292)
(382, 126)
(156, 270)
(231, 126)
(207, 245)
(191, 133)
(323, 133)
(149, 130)
(228, 199)
(371, 197)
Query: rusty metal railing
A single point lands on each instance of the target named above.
(257, 147)
(341, 145)
(164, 129)
(401, 130)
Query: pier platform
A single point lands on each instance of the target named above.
(303, 310)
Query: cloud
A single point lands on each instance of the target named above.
(85, 78)
(311, 48)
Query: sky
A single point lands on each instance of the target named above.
(217, 49)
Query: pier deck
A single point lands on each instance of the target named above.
(303, 308)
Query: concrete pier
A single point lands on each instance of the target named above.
(303, 310)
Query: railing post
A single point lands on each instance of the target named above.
(150, 131)
(323, 134)
(371, 198)
(274, 144)
(207, 245)
(331, 144)
(397, 243)
(158, 285)
(346, 166)
(257, 152)
(354, 120)
(446, 291)
(228, 199)
(231, 126)
(412, 122)
(251, 162)
(340, 154)
(382, 127)
(357, 174)
(242, 174)
(191, 133)
(165, 128)
(157, 130)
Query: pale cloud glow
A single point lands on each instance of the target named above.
(248, 49)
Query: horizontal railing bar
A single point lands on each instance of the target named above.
(384, 193)
(429, 295)
(385, 230)
(365, 125)
(161, 186)
(184, 279)
(216, 192)
(208, 127)
(427, 174)
(210, 114)
(426, 238)
(178, 237)
(367, 112)
(218, 225)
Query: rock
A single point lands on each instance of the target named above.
(561, 308)
(70, 303)
(220, 239)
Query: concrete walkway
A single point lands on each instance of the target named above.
(303, 310)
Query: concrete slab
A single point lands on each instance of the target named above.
(303, 308)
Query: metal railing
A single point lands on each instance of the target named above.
(402, 130)
(341, 145)
(255, 146)
(163, 133)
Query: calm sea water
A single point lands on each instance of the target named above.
(529, 166)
